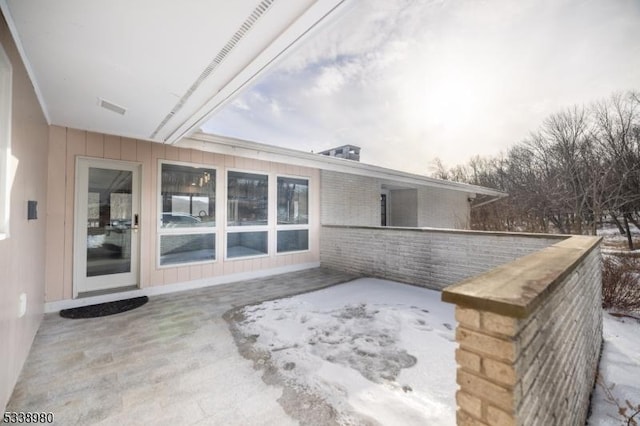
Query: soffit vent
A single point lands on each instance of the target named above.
(217, 60)
(111, 106)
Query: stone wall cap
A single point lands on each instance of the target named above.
(516, 288)
(452, 231)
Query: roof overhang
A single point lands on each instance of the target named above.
(151, 69)
(248, 149)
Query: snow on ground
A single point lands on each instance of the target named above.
(380, 352)
(616, 243)
(619, 371)
(377, 351)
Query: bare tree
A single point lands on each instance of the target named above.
(581, 164)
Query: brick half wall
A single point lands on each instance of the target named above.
(432, 258)
(528, 309)
(529, 335)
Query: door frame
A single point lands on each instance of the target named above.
(80, 229)
(387, 195)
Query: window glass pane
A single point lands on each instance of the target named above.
(188, 196)
(109, 212)
(187, 248)
(294, 240)
(240, 244)
(293, 201)
(247, 199)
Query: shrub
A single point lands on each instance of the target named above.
(621, 284)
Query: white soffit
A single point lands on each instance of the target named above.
(161, 67)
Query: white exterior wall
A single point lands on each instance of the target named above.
(354, 200)
(403, 207)
(347, 199)
(439, 208)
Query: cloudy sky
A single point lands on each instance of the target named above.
(409, 81)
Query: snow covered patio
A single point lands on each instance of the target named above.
(322, 348)
(363, 352)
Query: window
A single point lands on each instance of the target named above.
(243, 244)
(5, 141)
(247, 199)
(247, 214)
(186, 248)
(293, 215)
(187, 220)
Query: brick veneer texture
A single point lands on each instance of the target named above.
(539, 370)
(430, 258)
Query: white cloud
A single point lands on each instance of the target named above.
(450, 79)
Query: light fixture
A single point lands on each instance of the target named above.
(111, 106)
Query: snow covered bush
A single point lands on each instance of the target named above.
(621, 283)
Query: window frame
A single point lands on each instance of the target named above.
(6, 102)
(297, 226)
(231, 229)
(160, 231)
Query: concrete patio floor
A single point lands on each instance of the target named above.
(171, 361)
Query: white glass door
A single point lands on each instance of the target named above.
(107, 224)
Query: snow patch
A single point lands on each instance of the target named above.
(375, 350)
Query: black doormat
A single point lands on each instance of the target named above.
(104, 309)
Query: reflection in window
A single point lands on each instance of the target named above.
(247, 196)
(293, 201)
(186, 248)
(109, 212)
(242, 244)
(294, 240)
(188, 196)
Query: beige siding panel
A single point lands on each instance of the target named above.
(185, 154)
(172, 153)
(207, 270)
(22, 255)
(256, 265)
(209, 158)
(156, 275)
(227, 267)
(195, 272)
(196, 156)
(56, 203)
(148, 155)
(217, 267)
(112, 147)
(95, 144)
(170, 275)
(76, 146)
(183, 274)
(128, 149)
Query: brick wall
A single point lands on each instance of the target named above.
(440, 208)
(427, 257)
(529, 336)
(527, 306)
(403, 207)
(355, 200)
(349, 199)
